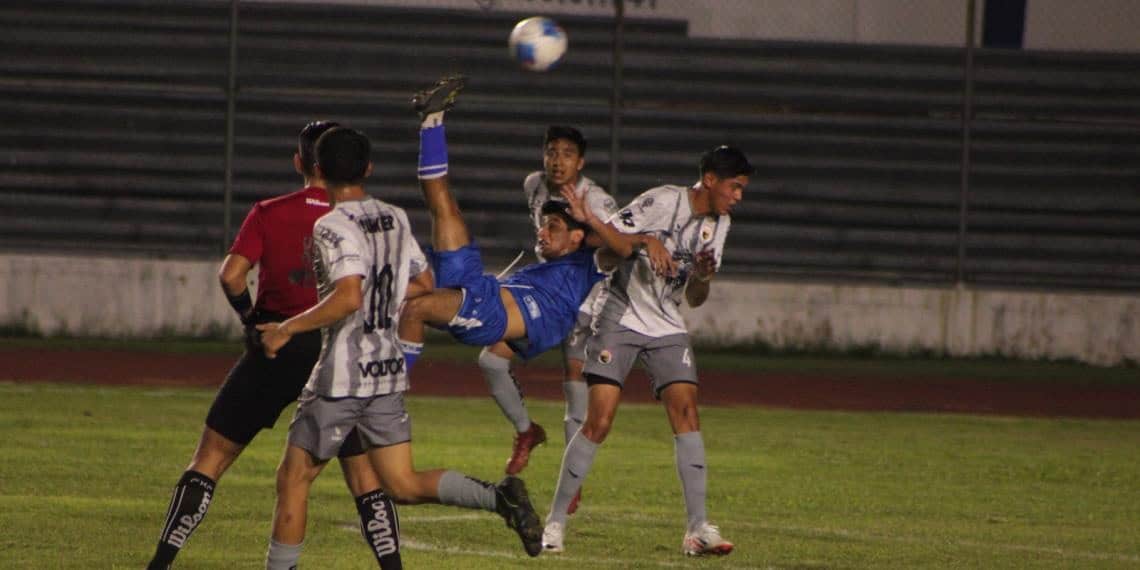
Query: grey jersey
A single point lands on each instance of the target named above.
(597, 199)
(637, 298)
(360, 355)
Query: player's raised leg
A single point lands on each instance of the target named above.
(448, 230)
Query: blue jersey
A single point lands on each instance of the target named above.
(548, 295)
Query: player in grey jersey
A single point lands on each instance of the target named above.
(367, 264)
(564, 152)
(639, 319)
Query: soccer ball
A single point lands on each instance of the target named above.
(537, 43)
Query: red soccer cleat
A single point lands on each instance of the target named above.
(524, 442)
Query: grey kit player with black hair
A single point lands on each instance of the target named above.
(639, 319)
(564, 157)
(367, 264)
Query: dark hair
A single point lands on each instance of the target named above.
(726, 162)
(343, 155)
(562, 210)
(307, 143)
(555, 132)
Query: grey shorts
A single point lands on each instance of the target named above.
(321, 424)
(574, 345)
(610, 356)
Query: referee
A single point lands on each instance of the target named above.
(275, 236)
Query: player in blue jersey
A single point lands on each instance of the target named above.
(533, 309)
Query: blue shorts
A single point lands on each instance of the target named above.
(482, 318)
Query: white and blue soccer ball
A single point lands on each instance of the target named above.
(538, 43)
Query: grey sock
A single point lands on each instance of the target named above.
(576, 463)
(577, 397)
(282, 556)
(690, 451)
(459, 490)
(504, 389)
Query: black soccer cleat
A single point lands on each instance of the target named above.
(439, 97)
(513, 504)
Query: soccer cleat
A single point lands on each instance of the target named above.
(513, 504)
(524, 442)
(573, 506)
(439, 97)
(552, 537)
(706, 540)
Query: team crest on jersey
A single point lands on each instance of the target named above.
(706, 234)
(605, 357)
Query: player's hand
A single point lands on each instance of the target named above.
(578, 209)
(659, 258)
(273, 337)
(704, 265)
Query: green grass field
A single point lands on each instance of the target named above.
(86, 475)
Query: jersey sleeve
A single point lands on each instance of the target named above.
(417, 261)
(339, 247)
(600, 203)
(250, 240)
(648, 212)
(531, 186)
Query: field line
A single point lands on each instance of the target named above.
(413, 544)
(811, 531)
(869, 537)
(569, 559)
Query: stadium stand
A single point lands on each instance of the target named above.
(114, 122)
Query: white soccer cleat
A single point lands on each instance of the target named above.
(552, 537)
(705, 540)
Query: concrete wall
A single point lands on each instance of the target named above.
(107, 296)
(1100, 329)
(139, 297)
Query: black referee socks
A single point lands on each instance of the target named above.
(188, 505)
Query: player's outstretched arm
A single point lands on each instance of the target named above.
(622, 244)
(347, 298)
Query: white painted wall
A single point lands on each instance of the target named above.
(140, 297)
(1100, 25)
(1087, 25)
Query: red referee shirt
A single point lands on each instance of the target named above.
(276, 236)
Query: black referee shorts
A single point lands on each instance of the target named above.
(257, 389)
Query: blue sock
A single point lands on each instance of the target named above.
(412, 351)
(433, 152)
